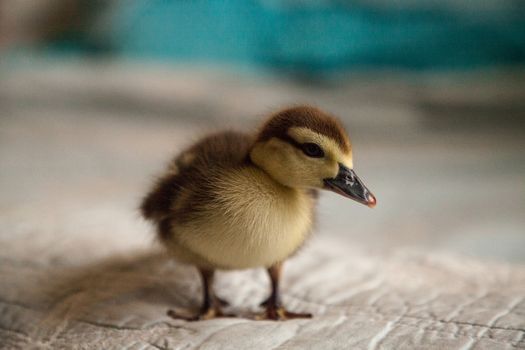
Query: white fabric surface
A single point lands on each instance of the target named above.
(360, 299)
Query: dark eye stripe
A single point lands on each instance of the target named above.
(312, 150)
(291, 141)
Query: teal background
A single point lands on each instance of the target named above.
(308, 35)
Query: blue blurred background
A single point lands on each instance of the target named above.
(302, 36)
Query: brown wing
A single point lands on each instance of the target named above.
(194, 169)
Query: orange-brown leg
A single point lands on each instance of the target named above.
(211, 305)
(274, 308)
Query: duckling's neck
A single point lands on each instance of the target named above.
(265, 183)
(258, 158)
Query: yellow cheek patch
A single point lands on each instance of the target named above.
(330, 147)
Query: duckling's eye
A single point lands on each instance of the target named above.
(312, 150)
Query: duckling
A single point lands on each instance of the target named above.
(237, 201)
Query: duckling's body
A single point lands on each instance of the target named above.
(222, 211)
(237, 201)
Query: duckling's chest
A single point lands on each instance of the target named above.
(252, 222)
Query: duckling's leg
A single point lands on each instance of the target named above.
(211, 305)
(274, 308)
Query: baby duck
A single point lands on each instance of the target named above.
(237, 201)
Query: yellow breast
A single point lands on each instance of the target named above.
(254, 222)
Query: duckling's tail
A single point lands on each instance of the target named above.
(149, 208)
(156, 205)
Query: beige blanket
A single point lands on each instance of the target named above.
(360, 300)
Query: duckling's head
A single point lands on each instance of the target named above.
(304, 147)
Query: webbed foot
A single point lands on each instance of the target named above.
(279, 313)
(203, 315)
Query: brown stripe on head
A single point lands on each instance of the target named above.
(305, 117)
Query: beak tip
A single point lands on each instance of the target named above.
(371, 201)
